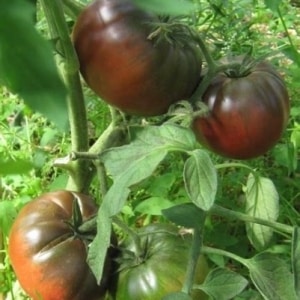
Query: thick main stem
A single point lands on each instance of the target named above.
(77, 112)
(192, 263)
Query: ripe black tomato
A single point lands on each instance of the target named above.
(128, 69)
(48, 257)
(247, 115)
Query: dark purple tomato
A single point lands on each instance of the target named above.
(247, 115)
(128, 69)
(48, 258)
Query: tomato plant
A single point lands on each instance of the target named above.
(247, 115)
(157, 265)
(141, 63)
(126, 58)
(48, 255)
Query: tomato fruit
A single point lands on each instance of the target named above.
(158, 267)
(48, 258)
(247, 115)
(128, 69)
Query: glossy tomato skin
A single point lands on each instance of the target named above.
(160, 269)
(138, 75)
(247, 115)
(48, 260)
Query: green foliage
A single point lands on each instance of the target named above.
(187, 215)
(261, 202)
(177, 296)
(272, 277)
(161, 174)
(223, 284)
(296, 260)
(173, 7)
(200, 179)
(27, 65)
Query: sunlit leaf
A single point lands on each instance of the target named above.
(200, 179)
(223, 284)
(141, 169)
(98, 248)
(186, 214)
(7, 216)
(19, 166)
(272, 277)
(132, 163)
(27, 66)
(273, 4)
(292, 53)
(261, 202)
(153, 206)
(147, 142)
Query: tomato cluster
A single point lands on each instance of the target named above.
(48, 254)
(142, 68)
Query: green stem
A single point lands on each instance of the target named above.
(229, 214)
(131, 233)
(234, 165)
(213, 68)
(285, 28)
(72, 8)
(192, 263)
(210, 250)
(211, 63)
(53, 10)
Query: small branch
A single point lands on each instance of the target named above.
(210, 250)
(229, 214)
(131, 233)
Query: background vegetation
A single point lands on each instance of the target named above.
(30, 142)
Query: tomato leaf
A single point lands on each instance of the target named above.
(223, 284)
(8, 167)
(7, 216)
(145, 142)
(171, 7)
(153, 206)
(200, 178)
(132, 163)
(272, 277)
(177, 296)
(273, 4)
(187, 215)
(261, 202)
(292, 53)
(98, 248)
(141, 169)
(27, 66)
(296, 259)
(161, 185)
